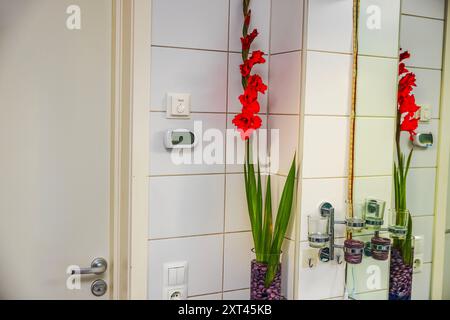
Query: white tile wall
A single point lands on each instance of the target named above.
(260, 21)
(428, 90)
(203, 74)
(429, 8)
(420, 191)
(325, 147)
(208, 297)
(422, 284)
(377, 75)
(204, 257)
(186, 205)
(330, 25)
(284, 79)
(328, 84)
(287, 25)
(415, 37)
(237, 260)
(236, 214)
(161, 159)
(379, 40)
(205, 26)
(373, 146)
(288, 127)
(446, 293)
(324, 281)
(237, 295)
(423, 226)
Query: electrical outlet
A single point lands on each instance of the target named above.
(310, 258)
(176, 293)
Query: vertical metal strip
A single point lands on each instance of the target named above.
(356, 8)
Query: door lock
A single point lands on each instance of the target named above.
(99, 288)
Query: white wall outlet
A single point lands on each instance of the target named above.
(425, 113)
(310, 258)
(178, 105)
(175, 281)
(179, 293)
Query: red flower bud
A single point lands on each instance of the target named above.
(247, 123)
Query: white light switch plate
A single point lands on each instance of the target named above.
(178, 105)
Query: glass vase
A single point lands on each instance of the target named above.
(258, 288)
(401, 270)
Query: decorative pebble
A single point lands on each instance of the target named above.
(258, 290)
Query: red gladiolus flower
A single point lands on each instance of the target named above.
(246, 124)
(405, 55)
(247, 19)
(247, 66)
(410, 124)
(408, 105)
(406, 84)
(248, 40)
(257, 57)
(402, 69)
(257, 83)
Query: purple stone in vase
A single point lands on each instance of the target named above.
(258, 291)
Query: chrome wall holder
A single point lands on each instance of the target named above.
(328, 253)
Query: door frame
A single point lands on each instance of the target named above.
(442, 176)
(130, 144)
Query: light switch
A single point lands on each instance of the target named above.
(180, 276)
(172, 281)
(425, 113)
(178, 105)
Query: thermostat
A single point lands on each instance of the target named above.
(423, 140)
(178, 105)
(180, 139)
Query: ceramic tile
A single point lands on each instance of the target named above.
(204, 258)
(430, 8)
(287, 25)
(204, 27)
(328, 84)
(283, 150)
(237, 260)
(423, 226)
(202, 74)
(374, 145)
(186, 205)
(285, 83)
(236, 214)
(240, 295)
(420, 191)
(375, 76)
(330, 26)
(415, 37)
(324, 281)
(379, 27)
(208, 297)
(325, 147)
(422, 284)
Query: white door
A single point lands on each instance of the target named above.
(55, 145)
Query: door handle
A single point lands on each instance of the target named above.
(98, 267)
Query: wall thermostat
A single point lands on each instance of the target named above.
(180, 139)
(178, 105)
(423, 140)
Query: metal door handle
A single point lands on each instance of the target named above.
(98, 267)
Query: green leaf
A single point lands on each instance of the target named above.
(268, 221)
(281, 224)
